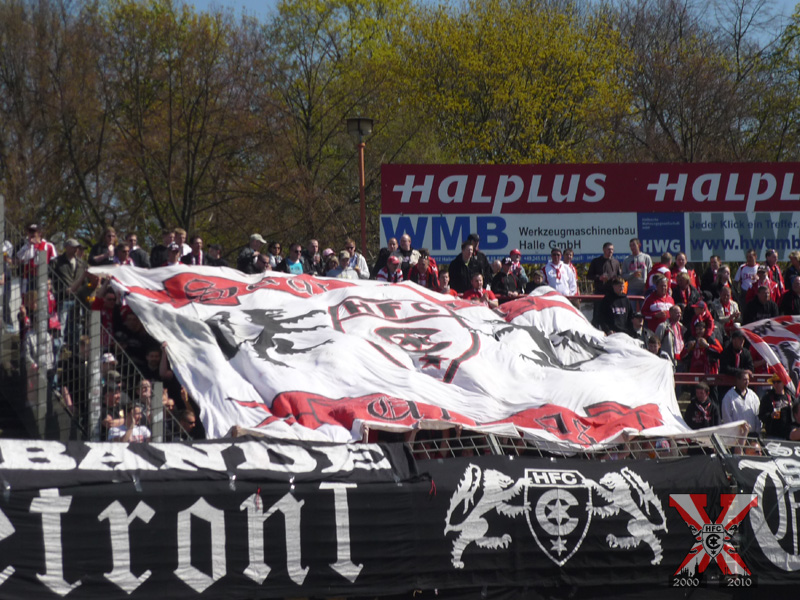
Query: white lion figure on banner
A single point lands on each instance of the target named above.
(497, 491)
(617, 489)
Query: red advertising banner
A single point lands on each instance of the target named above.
(590, 188)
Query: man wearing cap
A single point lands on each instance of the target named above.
(761, 307)
(158, 255)
(775, 410)
(173, 255)
(559, 276)
(246, 262)
(344, 270)
(391, 273)
(742, 404)
(67, 272)
(614, 312)
(603, 268)
(505, 284)
(635, 268)
(137, 254)
(517, 269)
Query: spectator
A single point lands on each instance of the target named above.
(793, 270)
(702, 412)
(761, 307)
(483, 262)
(357, 261)
(671, 333)
(112, 413)
(723, 280)
(710, 275)
(774, 272)
(27, 255)
(700, 313)
(311, 249)
(742, 404)
(537, 280)
(635, 268)
(275, 256)
(462, 268)
(762, 279)
(663, 269)
(603, 268)
(137, 254)
(294, 263)
(478, 294)
(344, 271)
(246, 262)
(102, 253)
(159, 253)
(775, 410)
(496, 266)
(747, 274)
(638, 331)
(684, 294)
(614, 312)
(188, 421)
(180, 239)
(408, 256)
(67, 272)
(132, 429)
(425, 274)
(735, 359)
(444, 284)
(391, 248)
(701, 355)
(261, 264)
(36, 352)
(122, 255)
(679, 267)
(173, 255)
(391, 273)
(559, 276)
(569, 254)
(215, 256)
(726, 311)
(505, 285)
(332, 267)
(656, 306)
(790, 303)
(196, 256)
(519, 271)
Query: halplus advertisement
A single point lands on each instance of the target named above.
(722, 209)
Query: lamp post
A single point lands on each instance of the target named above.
(360, 128)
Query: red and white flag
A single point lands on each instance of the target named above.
(315, 357)
(778, 342)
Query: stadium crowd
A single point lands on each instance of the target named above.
(691, 320)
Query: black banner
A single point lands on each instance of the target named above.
(500, 525)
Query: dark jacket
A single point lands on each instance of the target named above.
(614, 313)
(503, 283)
(755, 311)
(461, 274)
(727, 361)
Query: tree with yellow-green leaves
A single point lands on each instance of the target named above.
(509, 81)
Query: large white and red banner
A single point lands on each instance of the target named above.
(320, 358)
(703, 209)
(778, 342)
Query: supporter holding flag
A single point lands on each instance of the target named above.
(559, 276)
(702, 412)
(636, 267)
(391, 273)
(478, 294)
(656, 306)
(519, 271)
(614, 313)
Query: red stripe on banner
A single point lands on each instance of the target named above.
(518, 307)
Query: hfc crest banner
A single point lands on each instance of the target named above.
(321, 358)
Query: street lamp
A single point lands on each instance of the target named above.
(360, 128)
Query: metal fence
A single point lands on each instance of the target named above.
(65, 363)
